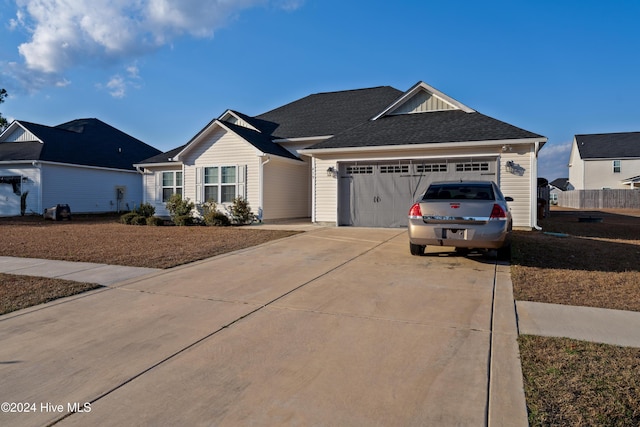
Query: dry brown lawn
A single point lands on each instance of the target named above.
(596, 265)
(570, 382)
(102, 239)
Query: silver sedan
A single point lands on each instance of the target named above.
(463, 214)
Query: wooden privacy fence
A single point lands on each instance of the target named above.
(600, 199)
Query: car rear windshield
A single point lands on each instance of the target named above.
(459, 191)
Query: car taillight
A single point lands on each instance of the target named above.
(498, 212)
(415, 212)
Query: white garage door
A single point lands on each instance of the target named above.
(379, 194)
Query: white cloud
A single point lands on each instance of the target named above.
(553, 160)
(117, 86)
(67, 33)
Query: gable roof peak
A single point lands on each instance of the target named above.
(423, 98)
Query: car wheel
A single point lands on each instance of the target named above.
(416, 249)
(462, 251)
(504, 253)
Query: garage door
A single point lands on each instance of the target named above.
(380, 194)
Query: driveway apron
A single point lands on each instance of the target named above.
(337, 326)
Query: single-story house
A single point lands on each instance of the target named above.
(84, 163)
(556, 187)
(605, 161)
(356, 157)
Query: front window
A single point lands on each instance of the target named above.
(220, 183)
(617, 167)
(171, 184)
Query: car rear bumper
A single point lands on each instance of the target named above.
(492, 235)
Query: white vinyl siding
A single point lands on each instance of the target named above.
(599, 174)
(286, 189)
(516, 182)
(89, 190)
(325, 207)
(30, 181)
(219, 148)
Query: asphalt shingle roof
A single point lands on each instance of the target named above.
(261, 141)
(327, 113)
(426, 128)
(561, 183)
(609, 145)
(88, 142)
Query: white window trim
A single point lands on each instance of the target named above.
(238, 184)
(619, 166)
(174, 187)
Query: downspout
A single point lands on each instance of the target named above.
(265, 158)
(37, 165)
(535, 187)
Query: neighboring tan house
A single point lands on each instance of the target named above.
(356, 157)
(556, 187)
(84, 163)
(605, 161)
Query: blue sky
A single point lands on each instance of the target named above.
(160, 70)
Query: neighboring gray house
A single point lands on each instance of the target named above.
(356, 157)
(84, 163)
(556, 187)
(606, 160)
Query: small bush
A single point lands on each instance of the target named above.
(155, 221)
(128, 217)
(241, 212)
(212, 216)
(179, 208)
(182, 220)
(217, 219)
(146, 210)
(138, 220)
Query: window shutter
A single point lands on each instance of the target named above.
(242, 188)
(158, 185)
(199, 189)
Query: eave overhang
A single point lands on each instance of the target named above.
(426, 146)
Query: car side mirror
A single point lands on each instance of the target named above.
(509, 199)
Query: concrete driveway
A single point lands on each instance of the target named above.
(337, 326)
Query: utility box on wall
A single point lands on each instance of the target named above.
(120, 195)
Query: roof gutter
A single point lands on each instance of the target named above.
(431, 145)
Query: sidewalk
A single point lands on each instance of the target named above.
(101, 274)
(616, 327)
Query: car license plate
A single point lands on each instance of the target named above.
(455, 234)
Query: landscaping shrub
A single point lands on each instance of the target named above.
(128, 217)
(241, 212)
(212, 216)
(146, 210)
(155, 221)
(179, 209)
(217, 218)
(182, 220)
(138, 220)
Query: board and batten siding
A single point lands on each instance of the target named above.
(222, 148)
(286, 189)
(20, 135)
(10, 201)
(89, 190)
